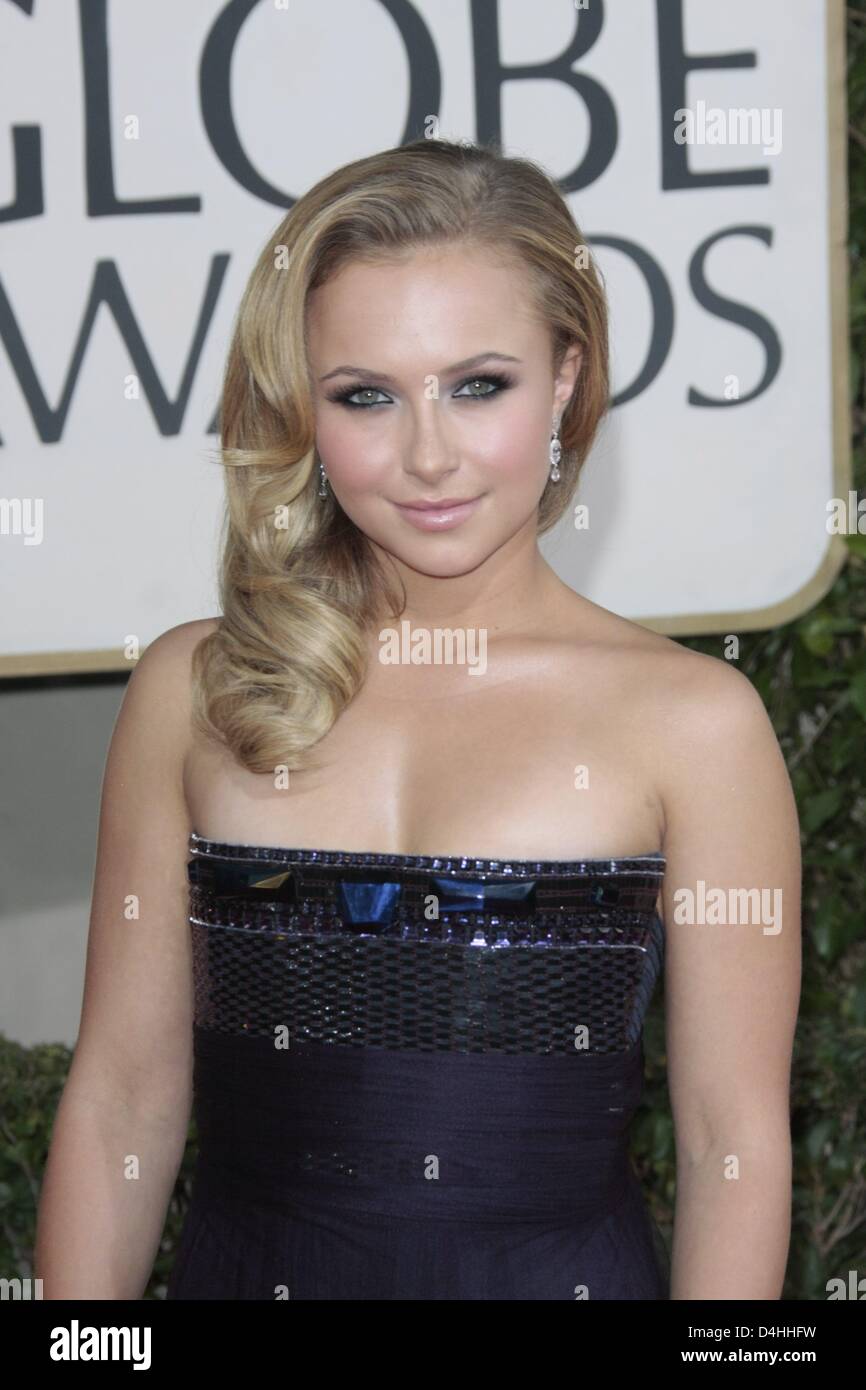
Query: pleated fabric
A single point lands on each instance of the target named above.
(343, 1173)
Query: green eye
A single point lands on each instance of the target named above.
(479, 381)
(497, 380)
(362, 391)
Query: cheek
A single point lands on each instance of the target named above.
(513, 443)
(352, 452)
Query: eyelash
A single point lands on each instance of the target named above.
(497, 379)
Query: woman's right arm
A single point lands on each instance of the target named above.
(121, 1126)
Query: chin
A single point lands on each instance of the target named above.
(444, 560)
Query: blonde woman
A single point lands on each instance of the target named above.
(411, 825)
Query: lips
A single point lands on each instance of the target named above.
(442, 504)
(438, 516)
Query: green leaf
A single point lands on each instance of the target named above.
(817, 637)
(821, 807)
(816, 1139)
(834, 929)
(857, 691)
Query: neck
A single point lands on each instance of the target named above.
(505, 595)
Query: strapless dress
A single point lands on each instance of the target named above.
(414, 1076)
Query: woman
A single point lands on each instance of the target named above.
(431, 808)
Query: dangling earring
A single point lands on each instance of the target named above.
(555, 455)
(323, 480)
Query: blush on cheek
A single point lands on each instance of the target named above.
(350, 461)
(515, 447)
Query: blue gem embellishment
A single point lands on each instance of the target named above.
(368, 902)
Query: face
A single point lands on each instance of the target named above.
(433, 384)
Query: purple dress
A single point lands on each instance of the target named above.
(414, 1077)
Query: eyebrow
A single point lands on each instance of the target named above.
(466, 365)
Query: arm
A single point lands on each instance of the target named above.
(121, 1125)
(732, 988)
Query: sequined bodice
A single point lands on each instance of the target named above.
(422, 953)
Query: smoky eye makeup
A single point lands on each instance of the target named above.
(497, 382)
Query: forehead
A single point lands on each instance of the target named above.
(437, 298)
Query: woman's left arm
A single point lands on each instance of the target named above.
(732, 983)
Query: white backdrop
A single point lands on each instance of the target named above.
(150, 147)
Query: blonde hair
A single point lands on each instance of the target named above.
(299, 583)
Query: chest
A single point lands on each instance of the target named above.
(516, 767)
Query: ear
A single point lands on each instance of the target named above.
(566, 378)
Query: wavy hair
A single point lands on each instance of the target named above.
(299, 583)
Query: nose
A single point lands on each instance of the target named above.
(428, 453)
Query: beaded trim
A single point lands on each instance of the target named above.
(653, 863)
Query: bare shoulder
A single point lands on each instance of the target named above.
(705, 702)
(165, 662)
(175, 646)
(696, 716)
(662, 666)
(717, 760)
(158, 695)
(681, 690)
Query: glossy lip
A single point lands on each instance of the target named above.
(438, 516)
(436, 504)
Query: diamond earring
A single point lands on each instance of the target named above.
(555, 455)
(323, 480)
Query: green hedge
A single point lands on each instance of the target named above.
(812, 677)
(31, 1083)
